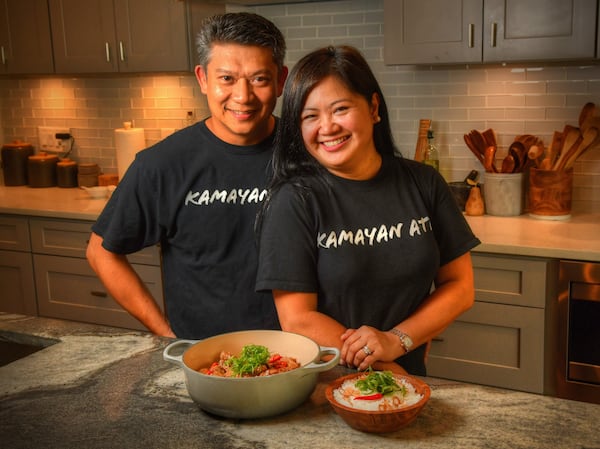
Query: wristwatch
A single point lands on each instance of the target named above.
(405, 340)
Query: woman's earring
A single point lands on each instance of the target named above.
(377, 119)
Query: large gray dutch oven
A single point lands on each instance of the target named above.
(250, 397)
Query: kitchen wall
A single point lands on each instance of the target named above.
(513, 99)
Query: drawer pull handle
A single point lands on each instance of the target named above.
(99, 294)
(437, 339)
(494, 34)
(471, 35)
(107, 50)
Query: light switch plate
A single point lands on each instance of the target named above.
(48, 141)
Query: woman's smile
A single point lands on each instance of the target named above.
(337, 129)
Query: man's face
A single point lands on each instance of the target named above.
(241, 84)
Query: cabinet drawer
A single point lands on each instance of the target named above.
(16, 283)
(14, 233)
(68, 288)
(493, 344)
(70, 238)
(513, 280)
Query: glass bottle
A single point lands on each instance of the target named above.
(431, 153)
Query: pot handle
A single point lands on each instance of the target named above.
(176, 359)
(324, 366)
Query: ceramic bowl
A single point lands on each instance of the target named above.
(378, 421)
(96, 192)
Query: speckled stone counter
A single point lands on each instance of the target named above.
(103, 387)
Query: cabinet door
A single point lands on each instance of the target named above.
(25, 42)
(492, 344)
(14, 233)
(71, 237)
(17, 283)
(151, 35)
(516, 280)
(432, 31)
(198, 11)
(68, 288)
(539, 30)
(83, 36)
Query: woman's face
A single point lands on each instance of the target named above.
(337, 129)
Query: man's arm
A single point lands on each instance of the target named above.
(124, 284)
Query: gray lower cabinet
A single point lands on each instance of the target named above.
(16, 283)
(43, 271)
(68, 288)
(17, 289)
(501, 340)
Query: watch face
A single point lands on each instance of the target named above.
(407, 341)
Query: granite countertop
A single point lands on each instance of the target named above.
(576, 238)
(101, 387)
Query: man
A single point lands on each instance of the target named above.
(197, 193)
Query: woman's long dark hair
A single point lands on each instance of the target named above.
(291, 161)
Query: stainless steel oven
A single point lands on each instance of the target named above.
(578, 342)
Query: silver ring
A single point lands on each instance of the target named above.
(367, 350)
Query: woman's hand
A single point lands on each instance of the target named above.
(366, 346)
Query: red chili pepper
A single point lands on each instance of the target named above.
(370, 397)
(274, 358)
(210, 371)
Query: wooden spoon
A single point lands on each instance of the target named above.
(518, 150)
(479, 141)
(587, 112)
(553, 151)
(490, 137)
(473, 148)
(589, 136)
(488, 159)
(572, 137)
(535, 155)
(509, 164)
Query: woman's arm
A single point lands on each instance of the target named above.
(453, 295)
(298, 313)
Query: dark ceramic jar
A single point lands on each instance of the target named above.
(41, 170)
(14, 162)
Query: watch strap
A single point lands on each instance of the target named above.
(405, 340)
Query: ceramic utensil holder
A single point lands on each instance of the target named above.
(503, 194)
(550, 194)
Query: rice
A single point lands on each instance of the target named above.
(345, 394)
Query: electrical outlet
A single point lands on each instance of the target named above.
(48, 141)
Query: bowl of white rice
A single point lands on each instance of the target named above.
(378, 411)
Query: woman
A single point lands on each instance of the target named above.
(352, 237)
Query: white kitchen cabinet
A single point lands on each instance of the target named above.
(97, 36)
(25, 41)
(501, 340)
(17, 290)
(475, 31)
